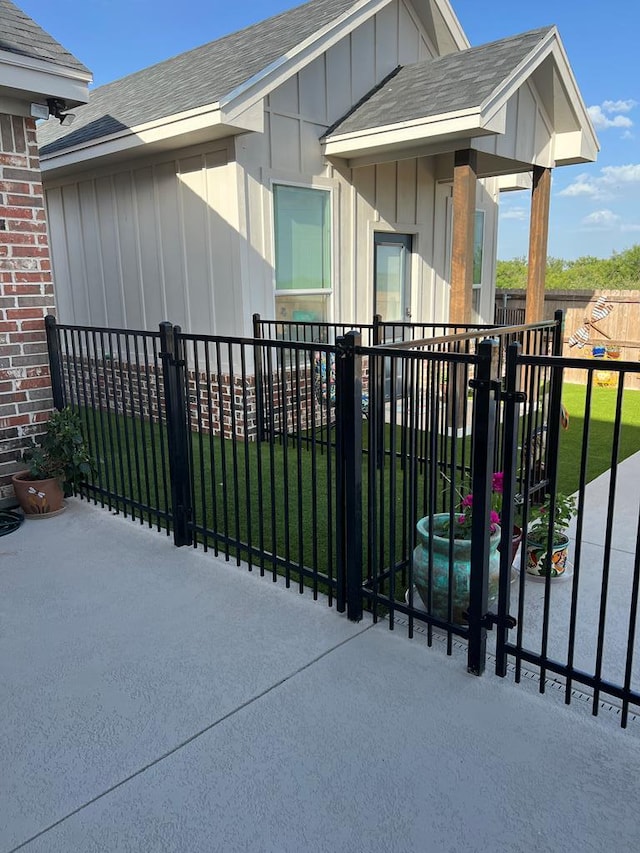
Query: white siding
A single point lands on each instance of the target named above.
(527, 135)
(399, 195)
(149, 242)
(392, 197)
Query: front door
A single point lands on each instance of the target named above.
(392, 278)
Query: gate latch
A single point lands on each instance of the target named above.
(491, 619)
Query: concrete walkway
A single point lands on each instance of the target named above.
(590, 586)
(158, 699)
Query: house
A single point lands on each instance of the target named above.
(338, 160)
(37, 76)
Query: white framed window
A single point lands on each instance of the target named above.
(302, 259)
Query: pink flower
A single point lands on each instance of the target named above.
(494, 518)
(467, 502)
(497, 482)
(462, 519)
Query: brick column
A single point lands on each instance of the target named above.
(26, 295)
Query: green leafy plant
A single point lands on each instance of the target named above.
(540, 519)
(63, 454)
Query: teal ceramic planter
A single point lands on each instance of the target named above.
(440, 571)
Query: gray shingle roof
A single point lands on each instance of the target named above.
(20, 34)
(193, 79)
(449, 83)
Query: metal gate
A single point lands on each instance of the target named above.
(579, 631)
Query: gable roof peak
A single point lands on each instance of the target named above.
(22, 36)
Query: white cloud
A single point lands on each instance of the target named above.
(630, 227)
(602, 121)
(619, 106)
(604, 185)
(517, 213)
(629, 174)
(584, 185)
(627, 135)
(601, 219)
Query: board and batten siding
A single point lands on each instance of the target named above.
(155, 240)
(397, 196)
(528, 137)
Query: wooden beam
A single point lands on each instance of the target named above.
(538, 240)
(464, 208)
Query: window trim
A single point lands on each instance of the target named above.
(332, 242)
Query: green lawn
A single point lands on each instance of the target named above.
(601, 422)
(261, 501)
(279, 500)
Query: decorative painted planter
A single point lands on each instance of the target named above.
(538, 561)
(440, 570)
(38, 498)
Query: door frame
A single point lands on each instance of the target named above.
(406, 239)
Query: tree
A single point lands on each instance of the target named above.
(619, 272)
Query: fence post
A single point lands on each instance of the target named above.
(376, 394)
(177, 434)
(486, 387)
(349, 475)
(55, 361)
(555, 407)
(257, 358)
(512, 397)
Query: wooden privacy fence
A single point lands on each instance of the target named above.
(621, 329)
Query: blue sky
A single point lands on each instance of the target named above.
(595, 209)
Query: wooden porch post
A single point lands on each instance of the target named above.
(464, 208)
(538, 240)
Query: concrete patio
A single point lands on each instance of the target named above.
(160, 699)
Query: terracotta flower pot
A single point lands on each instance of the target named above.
(38, 498)
(516, 539)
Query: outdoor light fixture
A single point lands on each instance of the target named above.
(40, 111)
(57, 109)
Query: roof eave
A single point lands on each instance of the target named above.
(37, 78)
(550, 45)
(431, 130)
(177, 131)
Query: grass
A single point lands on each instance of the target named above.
(271, 504)
(601, 432)
(274, 505)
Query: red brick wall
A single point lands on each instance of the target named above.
(26, 295)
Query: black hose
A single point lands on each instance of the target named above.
(9, 521)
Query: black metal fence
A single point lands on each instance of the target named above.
(333, 462)
(577, 626)
(504, 316)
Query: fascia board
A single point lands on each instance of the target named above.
(455, 27)
(158, 131)
(501, 94)
(43, 79)
(551, 45)
(410, 152)
(570, 84)
(7, 57)
(465, 121)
